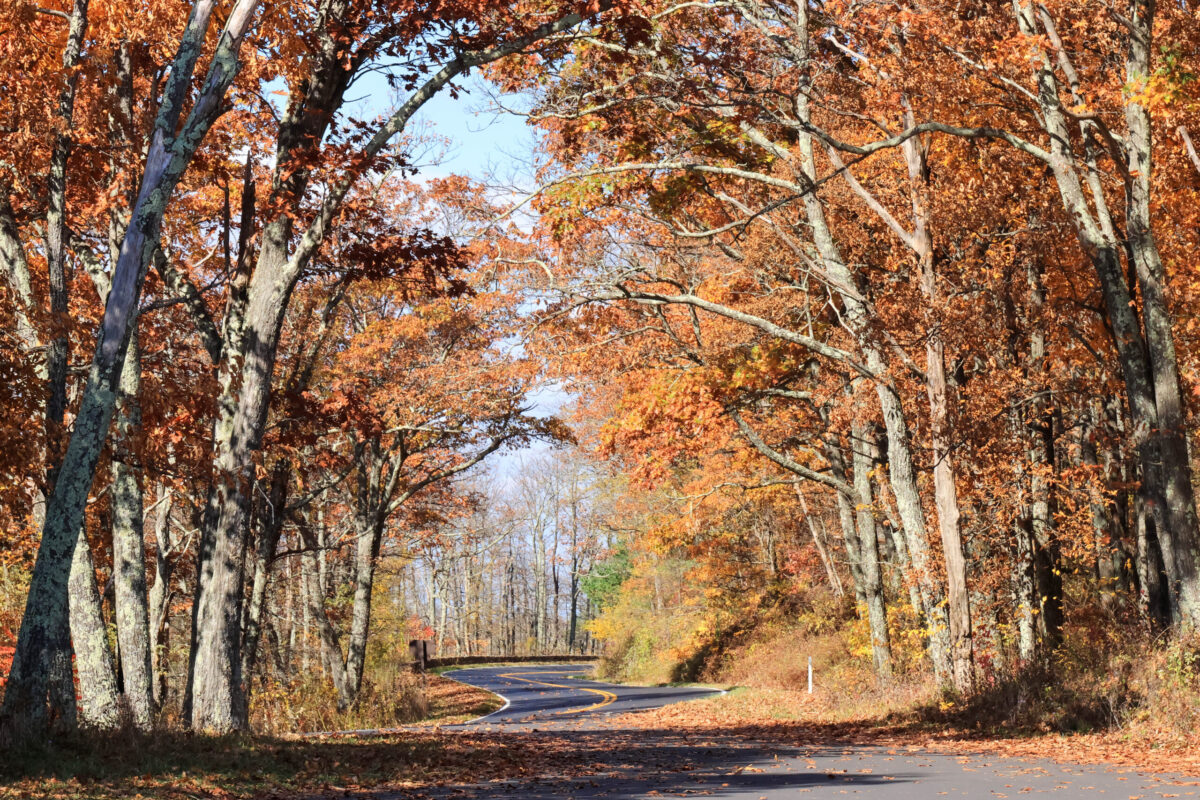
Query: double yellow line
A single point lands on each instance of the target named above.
(607, 697)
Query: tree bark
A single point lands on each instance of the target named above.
(99, 704)
(539, 589)
(1109, 512)
(366, 556)
(216, 692)
(945, 492)
(269, 528)
(129, 550)
(852, 545)
(160, 596)
(1024, 587)
(54, 685)
(1153, 594)
(858, 319)
(869, 553)
(1181, 539)
(331, 649)
(835, 582)
(1041, 434)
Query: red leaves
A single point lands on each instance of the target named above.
(6, 657)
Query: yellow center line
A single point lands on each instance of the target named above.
(608, 697)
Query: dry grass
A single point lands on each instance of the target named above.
(1106, 696)
(450, 701)
(389, 700)
(178, 765)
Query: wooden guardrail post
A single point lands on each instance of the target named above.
(418, 650)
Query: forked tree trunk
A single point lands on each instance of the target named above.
(858, 318)
(1143, 337)
(216, 696)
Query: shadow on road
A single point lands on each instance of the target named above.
(622, 763)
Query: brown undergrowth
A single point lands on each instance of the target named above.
(389, 698)
(1104, 695)
(172, 764)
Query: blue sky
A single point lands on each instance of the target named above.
(482, 139)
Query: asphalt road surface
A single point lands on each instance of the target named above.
(605, 758)
(551, 696)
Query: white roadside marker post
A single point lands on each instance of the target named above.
(810, 674)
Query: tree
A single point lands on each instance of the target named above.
(42, 652)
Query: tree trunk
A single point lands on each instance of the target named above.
(46, 606)
(129, 550)
(1144, 343)
(1180, 537)
(270, 526)
(1152, 579)
(1110, 552)
(900, 544)
(869, 553)
(366, 556)
(40, 686)
(216, 687)
(99, 702)
(835, 582)
(945, 492)
(850, 541)
(331, 649)
(160, 596)
(539, 588)
(1024, 588)
(574, 584)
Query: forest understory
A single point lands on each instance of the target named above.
(1126, 700)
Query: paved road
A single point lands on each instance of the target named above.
(551, 696)
(603, 758)
(649, 766)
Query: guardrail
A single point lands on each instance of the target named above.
(461, 661)
(418, 650)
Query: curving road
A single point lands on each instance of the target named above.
(599, 757)
(550, 694)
